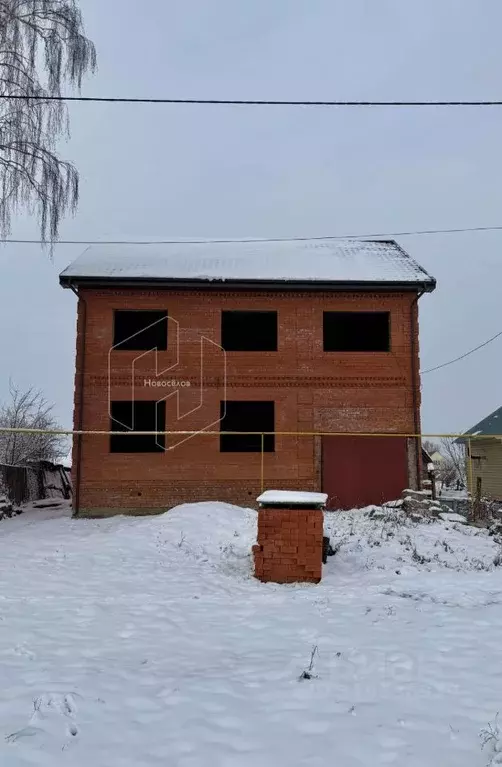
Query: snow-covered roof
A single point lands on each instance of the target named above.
(304, 261)
(489, 426)
(291, 498)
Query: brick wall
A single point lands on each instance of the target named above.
(313, 391)
(289, 547)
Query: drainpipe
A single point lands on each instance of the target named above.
(416, 379)
(80, 415)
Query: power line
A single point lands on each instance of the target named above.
(462, 356)
(258, 239)
(252, 102)
(288, 239)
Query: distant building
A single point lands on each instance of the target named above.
(426, 462)
(229, 338)
(484, 455)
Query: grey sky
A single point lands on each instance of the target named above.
(167, 171)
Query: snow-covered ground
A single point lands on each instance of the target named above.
(146, 643)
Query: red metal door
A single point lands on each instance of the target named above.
(359, 471)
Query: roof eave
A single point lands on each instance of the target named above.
(476, 437)
(75, 281)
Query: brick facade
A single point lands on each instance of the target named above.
(289, 547)
(312, 391)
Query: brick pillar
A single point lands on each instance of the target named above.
(289, 545)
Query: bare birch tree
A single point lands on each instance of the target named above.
(29, 410)
(42, 48)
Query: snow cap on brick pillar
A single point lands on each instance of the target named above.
(290, 536)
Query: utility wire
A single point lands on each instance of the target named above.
(289, 239)
(462, 356)
(254, 102)
(257, 239)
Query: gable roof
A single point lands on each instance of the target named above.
(348, 263)
(489, 427)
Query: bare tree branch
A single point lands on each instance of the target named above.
(29, 410)
(42, 47)
(452, 466)
(429, 446)
(454, 455)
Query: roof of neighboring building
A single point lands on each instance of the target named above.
(490, 426)
(313, 262)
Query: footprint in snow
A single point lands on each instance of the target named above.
(26, 732)
(50, 710)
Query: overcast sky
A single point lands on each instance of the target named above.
(171, 171)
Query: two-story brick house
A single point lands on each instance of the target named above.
(215, 340)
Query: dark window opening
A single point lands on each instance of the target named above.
(249, 331)
(140, 330)
(137, 416)
(356, 331)
(246, 417)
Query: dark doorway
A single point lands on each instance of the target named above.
(359, 471)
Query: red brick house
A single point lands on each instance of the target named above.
(227, 338)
